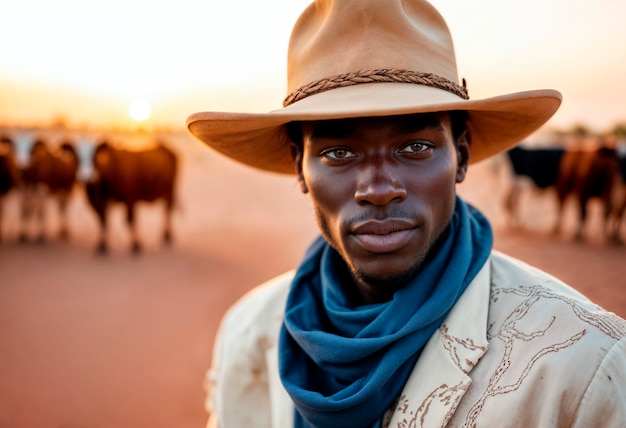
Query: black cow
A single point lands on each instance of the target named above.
(540, 165)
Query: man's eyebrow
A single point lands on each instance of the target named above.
(343, 128)
(333, 129)
(409, 124)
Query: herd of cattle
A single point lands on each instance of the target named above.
(583, 175)
(38, 171)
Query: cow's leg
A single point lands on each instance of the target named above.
(102, 247)
(26, 210)
(619, 219)
(62, 201)
(1, 207)
(606, 218)
(582, 217)
(41, 217)
(130, 219)
(611, 222)
(561, 199)
(511, 202)
(167, 231)
(614, 220)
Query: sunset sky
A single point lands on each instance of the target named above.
(89, 60)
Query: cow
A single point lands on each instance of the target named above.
(589, 174)
(539, 165)
(619, 208)
(9, 178)
(129, 177)
(48, 173)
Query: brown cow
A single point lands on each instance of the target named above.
(49, 173)
(129, 177)
(8, 173)
(586, 175)
(618, 216)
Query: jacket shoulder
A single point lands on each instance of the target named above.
(259, 308)
(553, 355)
(519, 290)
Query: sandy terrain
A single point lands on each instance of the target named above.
(124, 341)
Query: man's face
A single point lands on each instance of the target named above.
(383, 190)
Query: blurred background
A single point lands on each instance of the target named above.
(115, 327)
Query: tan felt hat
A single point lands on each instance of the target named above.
(360, 58)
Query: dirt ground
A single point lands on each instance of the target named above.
(124, 341)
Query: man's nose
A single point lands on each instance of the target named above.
(378, 184)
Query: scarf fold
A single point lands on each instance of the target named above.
(344, 365)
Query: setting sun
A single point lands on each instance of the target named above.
(139, 110)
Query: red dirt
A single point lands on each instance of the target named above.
(124, 341)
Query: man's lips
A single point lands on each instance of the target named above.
(383, 236)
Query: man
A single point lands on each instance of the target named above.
(400, 314)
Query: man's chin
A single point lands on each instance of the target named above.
(387, 281)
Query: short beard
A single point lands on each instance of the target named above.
(391, 282)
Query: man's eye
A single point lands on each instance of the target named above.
(338, 154)
(416, 147)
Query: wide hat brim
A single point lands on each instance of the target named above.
(261, 141)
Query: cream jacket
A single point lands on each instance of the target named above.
(519, 349)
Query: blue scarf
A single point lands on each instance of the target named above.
(344, 365)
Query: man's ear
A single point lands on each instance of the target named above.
(463, 155)
(296, 156)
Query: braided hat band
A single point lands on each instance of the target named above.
(376, 76)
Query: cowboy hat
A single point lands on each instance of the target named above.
(361, 58)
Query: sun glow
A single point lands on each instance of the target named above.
(54, 76)
(139, 110)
